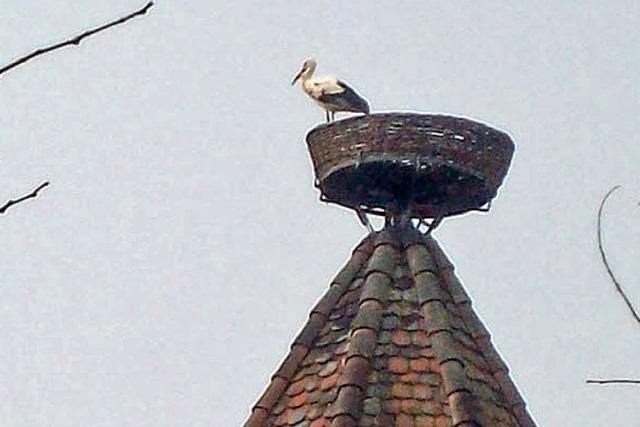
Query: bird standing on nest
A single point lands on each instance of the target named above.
(330, 93)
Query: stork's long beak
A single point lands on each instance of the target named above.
(295, 79)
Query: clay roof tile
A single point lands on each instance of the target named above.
(393, 342)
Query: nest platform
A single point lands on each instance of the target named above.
(426, 165)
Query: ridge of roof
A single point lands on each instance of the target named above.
(393, 342)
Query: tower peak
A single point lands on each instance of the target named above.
(393, 342)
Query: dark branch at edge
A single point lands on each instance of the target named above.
(31, 195)
(605, 261)
(75, 40)
(613, 381)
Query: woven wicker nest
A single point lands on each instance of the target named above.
(430, 165)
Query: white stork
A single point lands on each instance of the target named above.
(330, 93)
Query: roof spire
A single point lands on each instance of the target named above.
(394, 341)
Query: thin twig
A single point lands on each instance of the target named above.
(606, 262)
(618, 288)
(75, 40)
(615, 381)
(31, 195)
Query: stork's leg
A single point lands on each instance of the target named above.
(333, 116)
(326, 115)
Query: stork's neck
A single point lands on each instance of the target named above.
(307, 73)
(305, 76)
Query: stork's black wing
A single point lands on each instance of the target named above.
(347, 100)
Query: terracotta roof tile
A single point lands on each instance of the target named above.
(425, 421)
(393, 342)
(329, 382)
(404, 420)
(401, 338)
(421, 364)
(422, 392)
(392, 406)
(321, 422)
(398, 365)
(430, 288)
(410, 378)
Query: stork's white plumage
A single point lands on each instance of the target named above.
(330, 93)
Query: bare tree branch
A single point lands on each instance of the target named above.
(75, 40)
(617, 285)
(42, 51)
(31, 195)
(615, 381)
(618, 288)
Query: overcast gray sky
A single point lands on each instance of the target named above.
(161, 278)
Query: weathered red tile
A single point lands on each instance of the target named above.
(311, 383)
(329, 382)
(296, 388)
(315, 411)
(425, 421)
(422, 391)
(384, 419)
(298, 400)
(427, 352)
(410, 377)
(401, 390)
(443, 421)
(320, 422)
(411, 406)
(296, 416)
(392, 343)
(398, 365)
(392, 406)
(420, 338)
(403, 420)
(401, 338)
(329, 368)
(419, 365)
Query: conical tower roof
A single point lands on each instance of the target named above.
(393, 342)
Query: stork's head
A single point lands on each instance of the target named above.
(308, 67)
